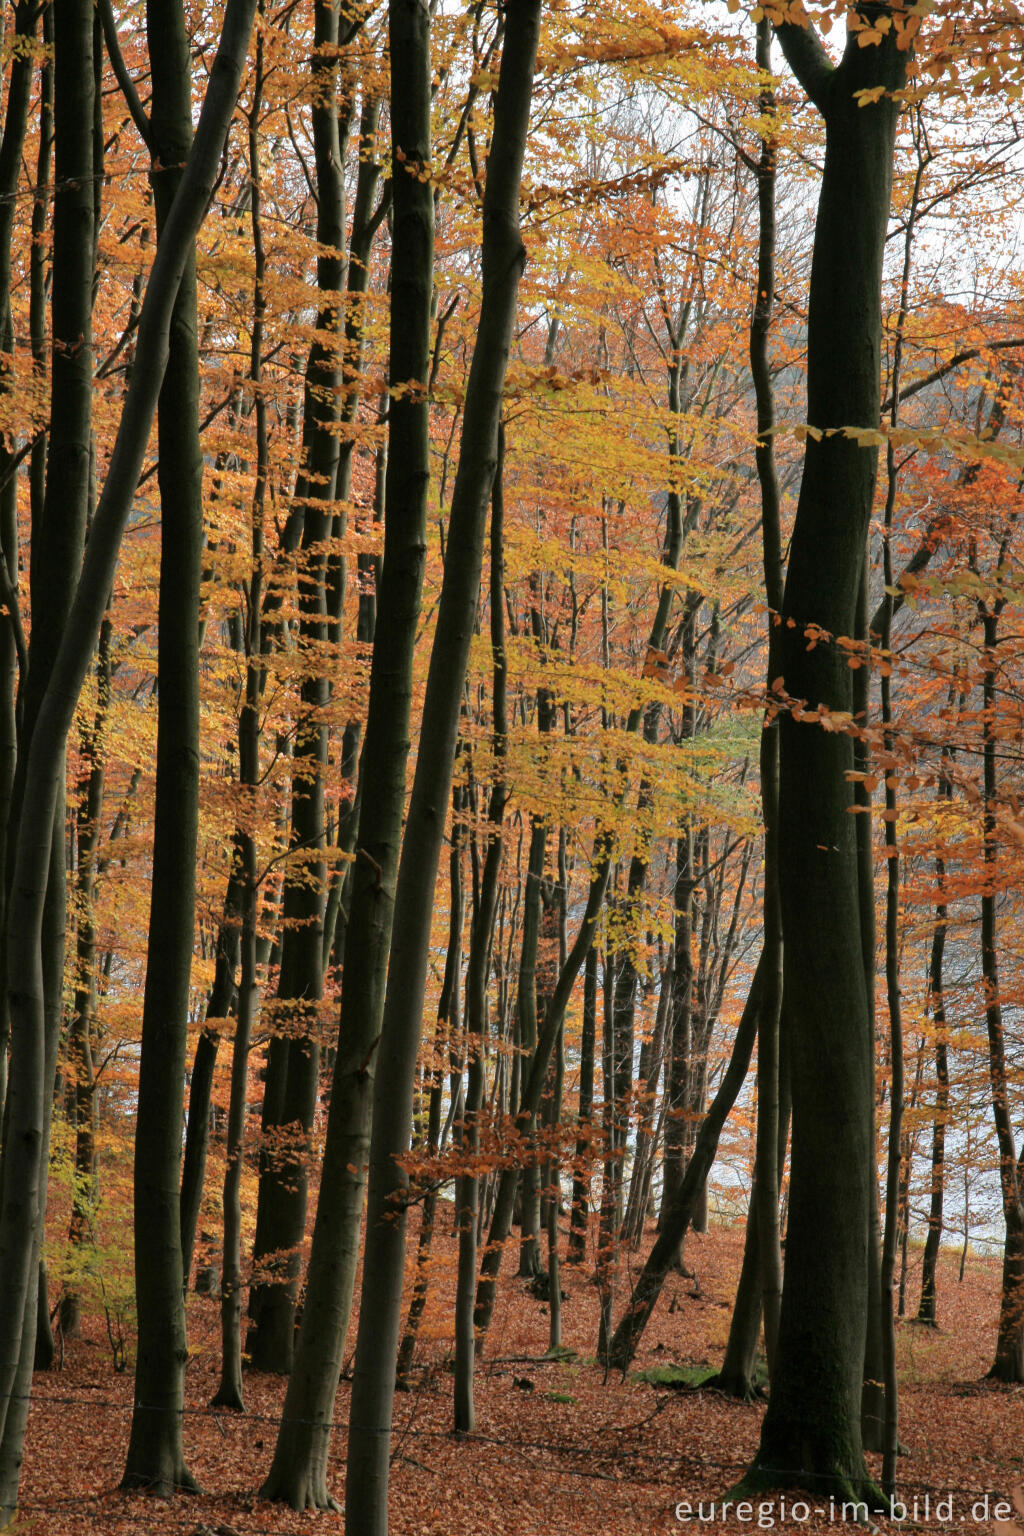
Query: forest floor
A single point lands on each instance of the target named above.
(560, 1449)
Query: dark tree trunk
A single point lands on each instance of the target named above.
(812, 1428)
(1008, 1364)
(676, 1219)
(155, 1453)
(926, 1312)
(298, 1475)
(28, 1103)
(467, 1198)
(284, 1175)
(384, 1256)
(56, 554)
(581, 1176)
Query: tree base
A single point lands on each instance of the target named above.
(861, 1494)
(161, 1486)
(300, 1492)
(742, 1388)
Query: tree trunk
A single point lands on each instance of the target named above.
(677, 1218)
(578, 1220)
(28, 1103)
(926, 1312)
(812, 1427)
(155, 1454)
(298, 1475)
(467, 1198)
(1008, 1364)
(284, 1174)
(366, 1511)
(56, 554)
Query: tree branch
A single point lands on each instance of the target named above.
(121, 74)
(806, 57)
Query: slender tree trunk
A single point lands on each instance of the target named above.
(502, 259)
(155, 1454)
(581, 1177)
(28, 1104)
(284, 1180)
(467, 1198)
(526, 1013)
(299, 1471)
(12, 640)
(769, 1252)
(677, 1218)
(80, 1032)
(926, 1312)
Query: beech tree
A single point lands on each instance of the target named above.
(812, 1428)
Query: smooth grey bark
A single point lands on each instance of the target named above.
(502, 256)
(28, 1110)
(298, 1475)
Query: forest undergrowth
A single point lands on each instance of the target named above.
(561, 1447)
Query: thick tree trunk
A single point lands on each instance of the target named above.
(812, 1428)
(56, 555)
(1008, 1364)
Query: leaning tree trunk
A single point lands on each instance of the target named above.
(677, 1217)
(28, 1103)
(56, 555)
(12, 639)
(502, 253)
(812, 1428)
(467, 1200)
